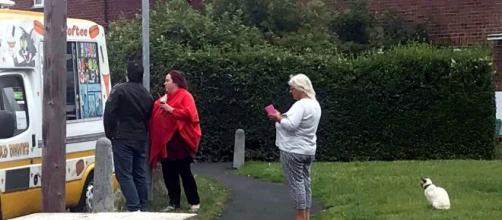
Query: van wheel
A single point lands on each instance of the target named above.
(87, 195)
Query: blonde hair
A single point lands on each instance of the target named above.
(302, 83)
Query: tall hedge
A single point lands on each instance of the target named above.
(415, 102)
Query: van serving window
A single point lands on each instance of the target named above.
(13, 108)
(83, 91)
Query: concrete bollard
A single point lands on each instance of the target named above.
(103, 200)
(239, 148)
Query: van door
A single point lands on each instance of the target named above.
(15, 131)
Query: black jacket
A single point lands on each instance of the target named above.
(127, 112)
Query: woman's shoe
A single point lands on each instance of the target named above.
(194, 208)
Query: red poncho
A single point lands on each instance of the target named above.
(163, 125)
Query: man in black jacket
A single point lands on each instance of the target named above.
(127, 112)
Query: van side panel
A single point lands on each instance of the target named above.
(15, 203)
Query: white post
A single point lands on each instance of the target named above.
(239, 148)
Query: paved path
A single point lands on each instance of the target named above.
(251, 199)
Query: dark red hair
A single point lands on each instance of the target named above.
(178, 78)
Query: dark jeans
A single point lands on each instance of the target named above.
(172, 171)
(129, 158)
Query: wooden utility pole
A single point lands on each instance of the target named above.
(54, 101)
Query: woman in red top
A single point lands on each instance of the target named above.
(174, 139)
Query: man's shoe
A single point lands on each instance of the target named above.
(169, 208)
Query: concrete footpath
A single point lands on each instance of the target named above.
(109, 216)
(251, 198)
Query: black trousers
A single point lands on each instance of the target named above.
(172, 171)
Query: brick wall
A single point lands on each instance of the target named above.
(123, 8)
(94, 10)
(87, 9)
(458, 22)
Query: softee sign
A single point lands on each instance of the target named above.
(72, 31)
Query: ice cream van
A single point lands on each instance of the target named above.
(21, 86)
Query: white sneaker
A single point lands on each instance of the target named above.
(169, 208)
(194, 208)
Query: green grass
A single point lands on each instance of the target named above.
(213, 197)
(390, 190)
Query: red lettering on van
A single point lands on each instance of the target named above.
(77, 31)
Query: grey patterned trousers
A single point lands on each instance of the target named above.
(296, 169)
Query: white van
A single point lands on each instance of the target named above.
(21, 86)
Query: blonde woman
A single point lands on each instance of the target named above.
(296, 139)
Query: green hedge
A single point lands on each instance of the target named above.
(414, 102)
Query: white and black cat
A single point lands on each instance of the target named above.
(437, 196)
